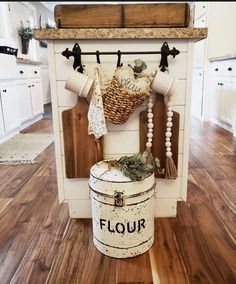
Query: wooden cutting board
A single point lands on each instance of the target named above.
(158, 143)
(122, 16)
(81, 150)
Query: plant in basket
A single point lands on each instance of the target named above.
(26, 35)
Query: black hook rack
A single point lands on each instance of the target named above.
(76, 53)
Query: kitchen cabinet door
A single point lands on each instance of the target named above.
(2, 129)
(197, 93)
(9, 96)
(25, 106)
(228, 99)
(36, 97)
(215, 98)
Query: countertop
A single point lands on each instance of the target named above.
(120, 33)
(27, 61)
(223, 57)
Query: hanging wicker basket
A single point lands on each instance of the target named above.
(119, 104)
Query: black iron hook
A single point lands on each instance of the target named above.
(165, 52)
(76, 53)
(119, 59)
(98, 56)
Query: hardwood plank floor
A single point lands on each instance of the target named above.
(39, 243)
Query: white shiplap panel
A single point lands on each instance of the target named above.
(180, 110)
(177, 66)
(178, 97)
(181, 141)
(166, 188)
(76, 188)
(60, 110)
(165, 207)
(65, 97)
(80, 208)
(121, 142)
(123, 45)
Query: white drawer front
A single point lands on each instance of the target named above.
(225, 68)
(34, 71)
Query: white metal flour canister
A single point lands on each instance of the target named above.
(122, 211)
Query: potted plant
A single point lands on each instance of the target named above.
(26, 35)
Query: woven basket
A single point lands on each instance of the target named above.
(119, 104)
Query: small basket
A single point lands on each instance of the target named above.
(119, 104)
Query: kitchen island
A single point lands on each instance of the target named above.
(121, 139)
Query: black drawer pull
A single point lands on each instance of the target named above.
(4, 91)
(21, 72)
(29, 86)
(230, 69)
(216, 69)
(32, 85)
(35, 72)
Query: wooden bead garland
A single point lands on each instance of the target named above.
(150, 123)
(171, 171)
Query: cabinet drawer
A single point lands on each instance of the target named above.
(28, 71)
(224, 68)
(22, 71)
(230, 67)
(34, 72)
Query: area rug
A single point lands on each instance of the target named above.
(24, 148)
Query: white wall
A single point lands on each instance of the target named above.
(222, 29)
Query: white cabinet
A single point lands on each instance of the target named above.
(32, 94)
(36, 97)
(223, 93)
(215, 99)
(197, 92)
(228, 106)
(25, 105)
(2, 128)
(10, 109)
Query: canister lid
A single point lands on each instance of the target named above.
(107, 181)
(101, 171)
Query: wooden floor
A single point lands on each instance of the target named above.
(40, 244)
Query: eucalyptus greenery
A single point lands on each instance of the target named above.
(139, 166)
(25, 33)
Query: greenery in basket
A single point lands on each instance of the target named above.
(25, 33)
(138, 166)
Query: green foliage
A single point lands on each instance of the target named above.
(25, 33)
(138, 166)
